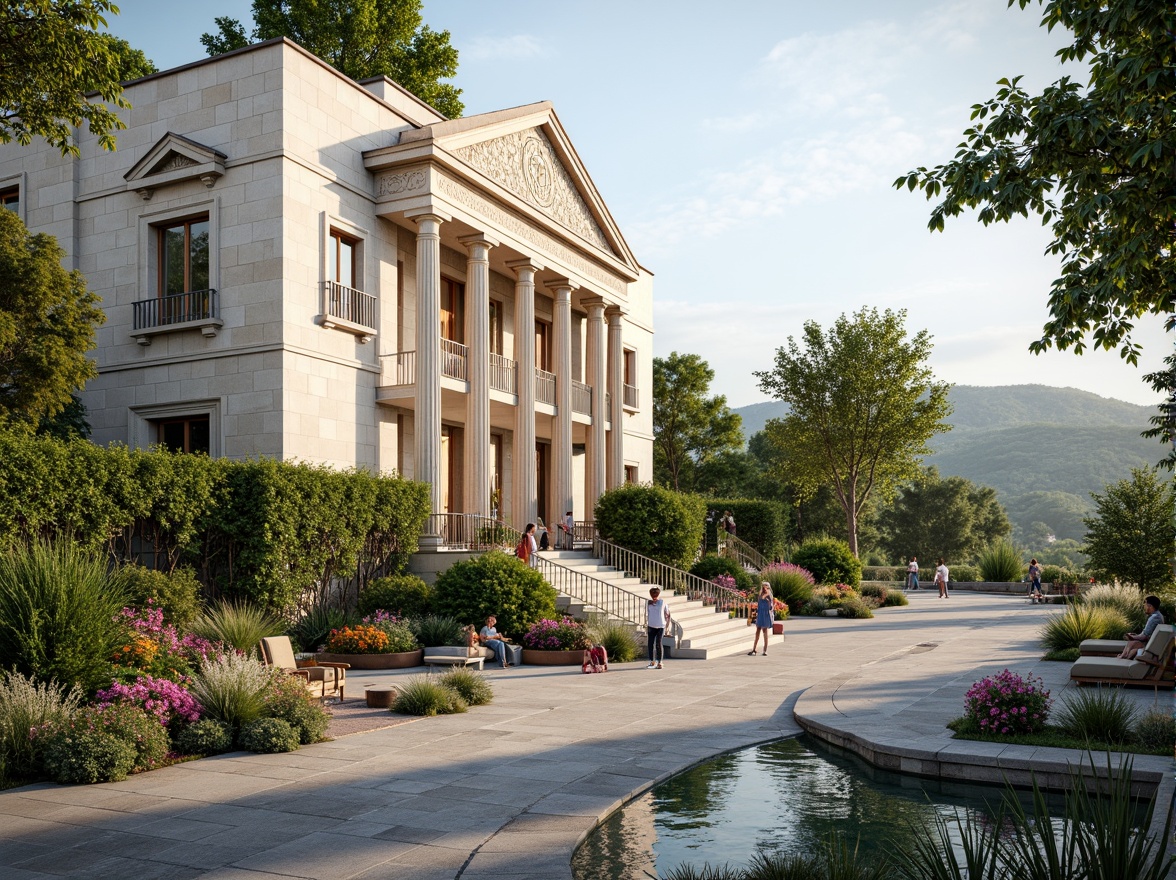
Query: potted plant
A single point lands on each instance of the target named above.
(555, 643)
(381, 641)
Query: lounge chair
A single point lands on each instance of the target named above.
(1153, 668)
(324, 680)
(1102, 647)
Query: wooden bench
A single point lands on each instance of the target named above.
(454, 660)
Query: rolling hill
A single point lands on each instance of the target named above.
(1043, 449)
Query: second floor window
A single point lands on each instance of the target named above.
(183, 256)
(341, 259)
(452, 310)
(10, 199)
(543, 345)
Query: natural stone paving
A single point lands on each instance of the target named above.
(508, 790)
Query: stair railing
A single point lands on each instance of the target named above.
(472, 531)
(743, 553)
(593, 592)
(667, 577)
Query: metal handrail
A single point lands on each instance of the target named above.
(503, 374)
(544, 386)
(175, 308)
(581, 398)
(593, 592)
(453, 360)
(743, 553)
(350, 304)
(399, 368)
(666, 576)
(472, 531)
(583, 531)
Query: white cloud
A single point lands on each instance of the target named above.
(517, 47)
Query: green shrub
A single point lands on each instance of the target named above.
(420, 695)
(87, 756)
(1056, 574)
(855, 608)
(895, 597)
(1155, 730)
(964, 574)
(711, 566)
(664, 525)
(473, 686)
(268, 736)
(232, 689)
(176, 594)
(874, 591)
(1001, 562)
(886, 573)
(1063, 655)
(59, 614)
(1080, 622)
(1101, 715)
(790, 583)
(495, 584)
(311, 630)
(238, 625)
(830, 560)
(401, 637)
(762, 524)
(1124, 598)
(132, 725)
(435, 630)
(618, 638)
(26, 704)
(815, 606)
(289, 699)
(205, 737)
(403, 594)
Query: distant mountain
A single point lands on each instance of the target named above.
(1043, 449)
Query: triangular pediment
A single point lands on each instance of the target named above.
(527, 152)
(175, 159)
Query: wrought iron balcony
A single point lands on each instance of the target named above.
(176, 311)
(349, 304)
(399, 368)
(544, 386)
(454, 362)
(504, 374)
(581, 398)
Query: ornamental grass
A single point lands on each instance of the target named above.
(1080, 622)
(26, 704)
(237, 625)
(618, 638)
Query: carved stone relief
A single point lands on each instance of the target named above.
(526, 164)
(397, 184)
(173, 161)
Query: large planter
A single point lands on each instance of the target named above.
(375, 661)
(552, 658)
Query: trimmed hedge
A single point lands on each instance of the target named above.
(711, 566)
(762, 524)
(830, 560)
(280, 534)
(664, 525)
(495, 583)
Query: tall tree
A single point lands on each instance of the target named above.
(361, 38)
(1132, 536)
(47, 322)
(950, 517)
(1095, 160)
(862, 403)
(53, 58)
(690, 429)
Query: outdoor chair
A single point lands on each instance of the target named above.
(324, 680)
(1102, 647)
(1152, 669)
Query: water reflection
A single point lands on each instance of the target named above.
(783, 797)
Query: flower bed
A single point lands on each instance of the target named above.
(556, 635)
(1006, 703)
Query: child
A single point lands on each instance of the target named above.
(595, 660)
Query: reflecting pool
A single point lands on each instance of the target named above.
(782, 797)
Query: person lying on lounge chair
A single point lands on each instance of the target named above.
(1136, 641)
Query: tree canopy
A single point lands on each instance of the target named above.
(690, 429)
(1132, 536)
(53, 59)
(1094, 160)
(360, 38)
(863, 404)
(47, 322)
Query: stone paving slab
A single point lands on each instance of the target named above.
(508, 790)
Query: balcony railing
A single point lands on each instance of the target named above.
(399, 368)
(581, 398)
(350, 304)
(544, 386)
(631, 397)
(504, 374)
(470, 531)
(454, 362)
(176, 308)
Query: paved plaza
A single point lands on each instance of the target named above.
(508, 790)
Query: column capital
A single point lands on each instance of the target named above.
(526, 264)
(478, 240)
(558, 285)
(426, 215)
(596, 307)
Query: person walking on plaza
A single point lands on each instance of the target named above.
(913, 573)
(765, 615)
(1034, 581)
(941, 575)
(657, 619)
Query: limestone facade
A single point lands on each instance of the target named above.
(293, 264)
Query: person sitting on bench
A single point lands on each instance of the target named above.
(491, 639)
(1137, 641)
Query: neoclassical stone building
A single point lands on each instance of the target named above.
(297, 265)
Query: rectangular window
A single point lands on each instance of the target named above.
(185, 434)
(452, 310)
(10, 199)
(495, 326)
(543, 345)
(630, 473)
(183, 256)
(630, 367)
(342, 259)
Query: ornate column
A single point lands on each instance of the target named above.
(616, 383)
(562, 361)
(477, 427)
(525, 503)
(427, 418)
(597, 454)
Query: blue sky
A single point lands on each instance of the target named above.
(747, 149)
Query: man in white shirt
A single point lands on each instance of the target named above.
(913, 574)
(941, 576)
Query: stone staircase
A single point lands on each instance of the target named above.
(705, 633)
